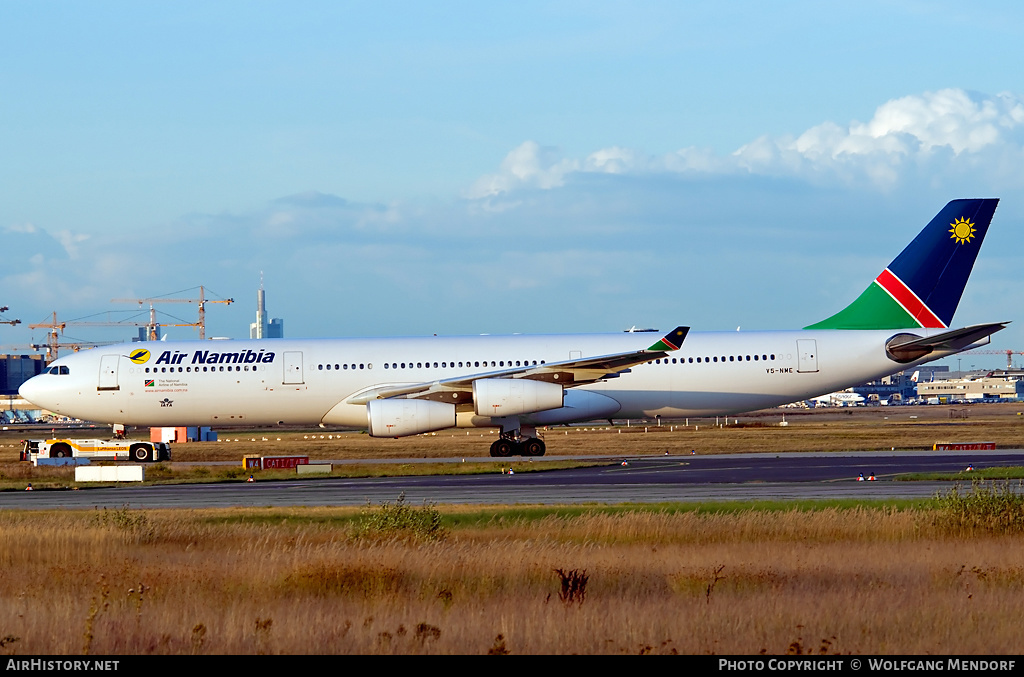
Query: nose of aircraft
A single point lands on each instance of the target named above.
(34, 390)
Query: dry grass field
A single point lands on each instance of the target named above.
(863, 580)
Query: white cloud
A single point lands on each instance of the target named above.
(935, 132)
(614, 160)
(945, 118)
(527, 166)
(943, 131)
(70, 241)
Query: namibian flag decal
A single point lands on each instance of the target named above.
(150, 383)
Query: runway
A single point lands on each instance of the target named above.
(647, 480)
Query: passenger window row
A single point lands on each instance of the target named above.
(723, 358)
(165, 370)
(432, 365)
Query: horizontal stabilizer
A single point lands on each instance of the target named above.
(907, 347)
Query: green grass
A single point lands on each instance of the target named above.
(455, 516)
(996, 473)
(44, 478)
(525, 515)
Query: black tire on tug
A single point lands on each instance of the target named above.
(140, 452)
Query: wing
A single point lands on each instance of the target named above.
(569, 373)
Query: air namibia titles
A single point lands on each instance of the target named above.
(212, 357)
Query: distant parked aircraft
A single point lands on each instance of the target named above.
(842, 398)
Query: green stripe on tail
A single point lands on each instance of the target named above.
(874, 309)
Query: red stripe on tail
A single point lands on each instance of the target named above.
(909, 300)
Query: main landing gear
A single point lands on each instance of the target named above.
(516, 439)
(509, 446)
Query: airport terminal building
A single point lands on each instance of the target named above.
(980, 388)
(16, 369)
(899, 388)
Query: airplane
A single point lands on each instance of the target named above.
(395, 387)
(840, 398)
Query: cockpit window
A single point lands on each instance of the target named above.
(63, 371)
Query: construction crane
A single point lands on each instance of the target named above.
(55, 329)
(151, 326)
(1009, 354)
(53, 344)
(201, 301)
(4, 309)
(74, 346)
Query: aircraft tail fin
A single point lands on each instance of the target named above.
(922, 287)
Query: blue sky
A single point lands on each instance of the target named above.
(466, 167)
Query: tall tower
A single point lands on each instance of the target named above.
(261, 328)
(258, 329)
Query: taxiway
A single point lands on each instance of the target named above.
(660, 479)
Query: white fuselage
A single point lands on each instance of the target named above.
(299, 381)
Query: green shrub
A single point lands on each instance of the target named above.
(133, 524)
(400, 520)
(996, 507)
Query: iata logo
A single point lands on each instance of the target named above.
(140, 356)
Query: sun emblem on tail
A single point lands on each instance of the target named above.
(962, 230)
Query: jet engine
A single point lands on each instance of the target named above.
(580, 405)
(398, 418)
(499, 397)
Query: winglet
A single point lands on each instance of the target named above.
(672, 340)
